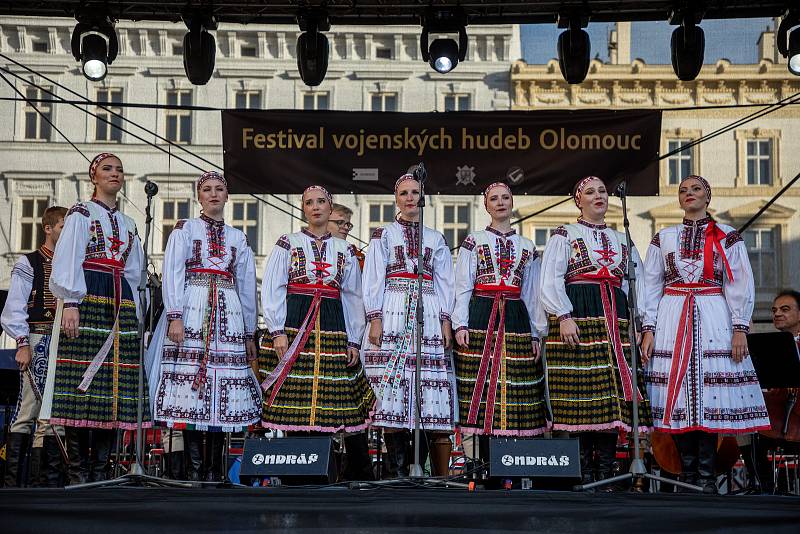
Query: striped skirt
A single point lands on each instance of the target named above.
(110, 401)
(515, 381)
(320, 393)
(586, 391)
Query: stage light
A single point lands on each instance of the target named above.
(199, 47)
(687, 46)
(312, 46)
(574, 48)
(444, 54)
(788, 39)
(94, 43)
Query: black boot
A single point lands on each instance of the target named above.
(606, 446)
(175, 465)
(53, 463)
(586, 440)
(396, 454)
(75, 442)
(707, 456)
(215, 442)
(358, 463)
(687, 445)
(101, 445)
(16, 447)
(193, 450)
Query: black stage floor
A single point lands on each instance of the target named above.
(121, 510)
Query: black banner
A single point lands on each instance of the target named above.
(513, 457)
(537, 153)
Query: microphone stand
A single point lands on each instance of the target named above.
(637, 469)
(136, 475)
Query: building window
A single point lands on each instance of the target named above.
(41, 47)
(248, 51)
(248, 99)
(380, 214)
(539, 237)
(315, 100)
(31, 233)
(179, 121)
(110, 98)
(177, 49)
(759, 162)
(36, 127)
(172, 211)
(456, 223)
(454, 102)
(245, 218)
(762, 249)
(679, 163)
(382, 52)
(384, 101)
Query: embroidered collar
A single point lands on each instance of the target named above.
(404, 222)
(100, 203)
(699, 222)
(592, 225)
(499, 233)
(46, 252)
(307, 232)
(211, 222)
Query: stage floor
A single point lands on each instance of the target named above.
(121, 510)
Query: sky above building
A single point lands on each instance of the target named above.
(735, 40)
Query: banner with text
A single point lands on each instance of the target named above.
(537, 153)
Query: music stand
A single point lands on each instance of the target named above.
(775, 359)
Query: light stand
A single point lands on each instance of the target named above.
(637, 470)
(136, 475)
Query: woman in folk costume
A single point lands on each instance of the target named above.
(203, 353)
(697, 312)
(498, 370)
(390, 295)
(587, 349)
(93, 371)
(311, 299)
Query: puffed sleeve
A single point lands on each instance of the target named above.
(273, 287)
(653, 284)
(551, 279)
(466, 266)
(67, 281)
(443, 279)
(374, 276)
(133, 267)
(739, 292)
(529, 294)
(174, 271)
(15, 313)
(246, 288)
(352, 301)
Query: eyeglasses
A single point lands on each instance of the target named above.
(342, 224)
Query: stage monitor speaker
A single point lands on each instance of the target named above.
(528, 458)
(306, 460)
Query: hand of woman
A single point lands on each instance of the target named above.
(280, 344)
(447, 334)
(23, 357)
(569, 332)
(536, 349)
(375, 332)
(647, 346)
(462, 338)
(739, 346)
(352, 356)
(251, 350)
(176, 332)
(70, 322)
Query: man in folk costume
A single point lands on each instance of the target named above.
(498, 369)
(93, 369)
(587, 350)
(698, 302)
(28, 318)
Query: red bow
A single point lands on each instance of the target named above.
(714, 237)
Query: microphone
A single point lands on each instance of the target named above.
(150, 189)
(621, 188)
(420, 174)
